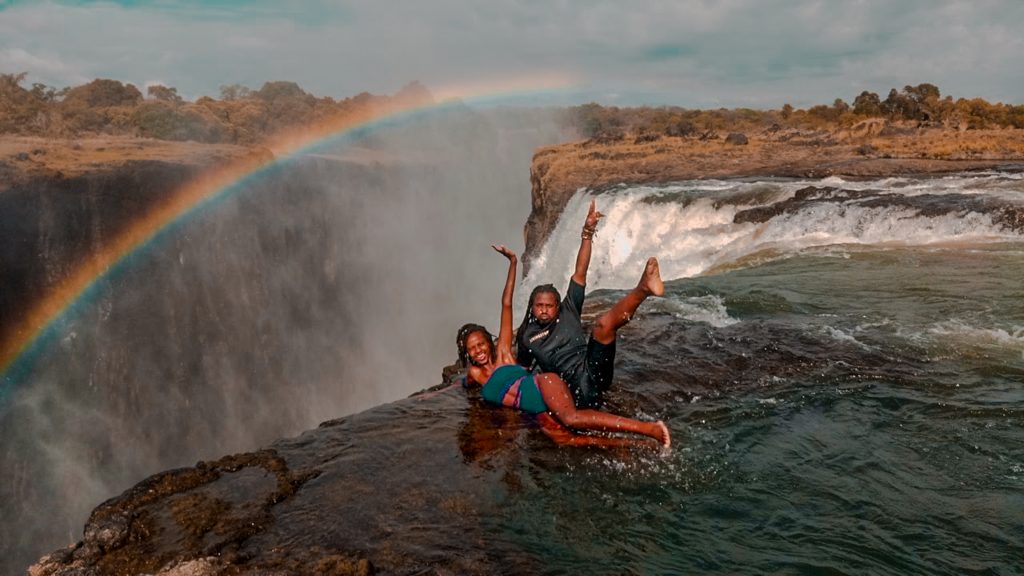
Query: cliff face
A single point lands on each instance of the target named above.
(870, 149)
(301, 295)
(61, 201)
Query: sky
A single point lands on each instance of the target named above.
(691, 53)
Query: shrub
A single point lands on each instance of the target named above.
(165, 122)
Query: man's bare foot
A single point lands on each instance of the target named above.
(651, 282)
(663, 435)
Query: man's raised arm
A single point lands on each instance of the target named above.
(586, 243)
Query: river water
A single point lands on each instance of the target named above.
(840, 364)
(844, 381)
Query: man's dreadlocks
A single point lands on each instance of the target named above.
(528, 317)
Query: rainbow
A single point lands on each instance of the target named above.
(52, 312)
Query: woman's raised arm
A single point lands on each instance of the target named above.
(505, 329)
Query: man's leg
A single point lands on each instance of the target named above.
(608, 324)
(601, 348)
(600, 370)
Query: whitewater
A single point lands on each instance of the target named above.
(840, 362)
(691, 226)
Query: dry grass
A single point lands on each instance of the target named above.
(593, 164)
(955, 145)
(23, 157)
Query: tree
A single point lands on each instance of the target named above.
(11, 92)
(681, 127)
(1015, 116)
(102, 93)
(588, 119)
(164, 93)
(167, 121)
(922, 92)
(867, 104)
(280, 89)
(235, 92)
(926, 100)
(826, 113)
(18, 107)
(897, 105)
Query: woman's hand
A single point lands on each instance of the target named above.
(504, 251)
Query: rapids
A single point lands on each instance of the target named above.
(843, 375)
(704, 226)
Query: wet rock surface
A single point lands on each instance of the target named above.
(195, 521)
(400, 489)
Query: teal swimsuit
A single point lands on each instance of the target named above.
(514, 377)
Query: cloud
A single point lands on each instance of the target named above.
(16, 60)
(691, 53)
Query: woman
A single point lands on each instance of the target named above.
(506, 383)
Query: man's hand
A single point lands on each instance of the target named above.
(504, 251)
(593, 216)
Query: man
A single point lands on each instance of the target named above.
(552, 338)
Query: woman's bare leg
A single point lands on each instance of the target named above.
(561, 404)
(650, 284)
(566, 437)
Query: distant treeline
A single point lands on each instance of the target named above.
(921, 104)
(246, 116)
(241, 115)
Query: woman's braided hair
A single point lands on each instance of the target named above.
(463, 335)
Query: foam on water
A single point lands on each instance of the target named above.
(979, 340)
(708, 309)
(841, 335)
(691, 226)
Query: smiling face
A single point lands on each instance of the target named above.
(479, 348)
(545, 307)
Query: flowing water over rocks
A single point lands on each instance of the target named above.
(836, 407)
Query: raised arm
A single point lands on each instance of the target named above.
(586, 241)
(504, 349)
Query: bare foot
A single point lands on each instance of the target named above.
(664, 437)
(651, 282)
